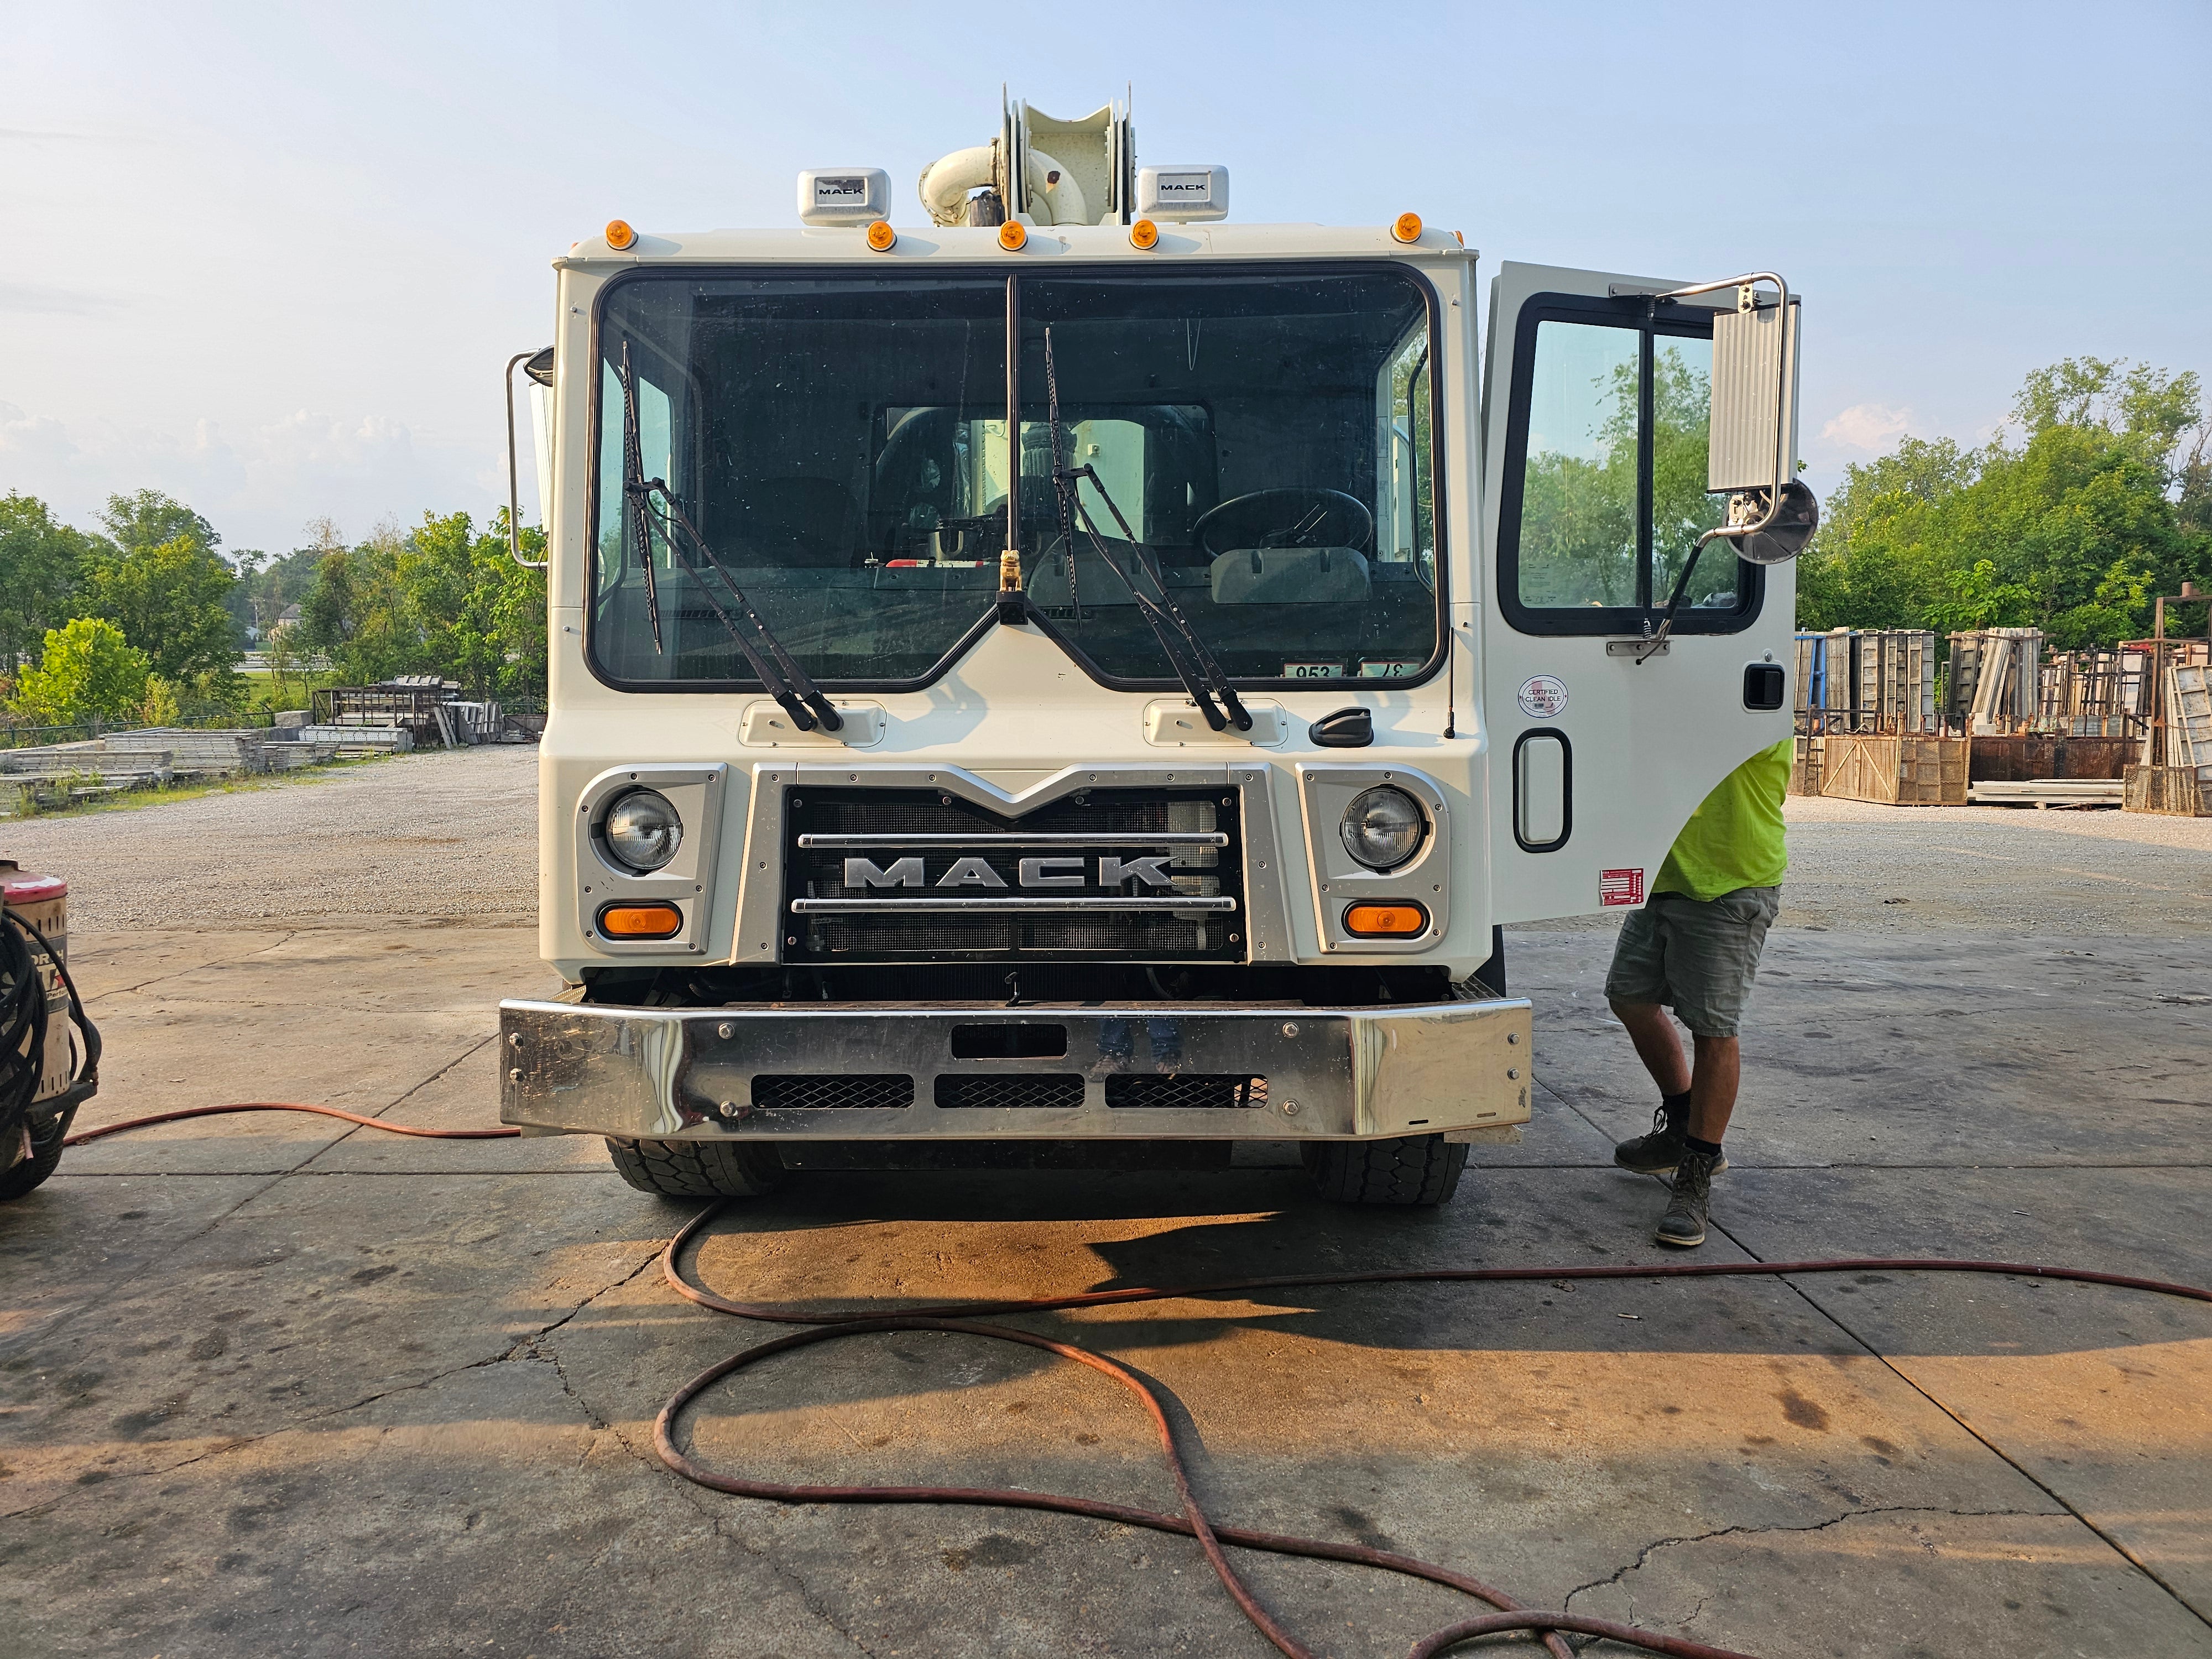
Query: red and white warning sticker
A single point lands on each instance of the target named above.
(1620, 887)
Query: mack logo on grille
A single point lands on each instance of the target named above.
(1149, 871)
(1115, 873)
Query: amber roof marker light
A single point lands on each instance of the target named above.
(620, 235)
(1406, 227)
(1013, 236)
(1144, 234)
(882, 237)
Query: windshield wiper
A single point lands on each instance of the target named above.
(1194, 665)
(789, 683)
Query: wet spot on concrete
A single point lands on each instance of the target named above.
(1876, 1443)
(370, 1275)
(995, 1549)
(1362, 1526)
(1802, 1411)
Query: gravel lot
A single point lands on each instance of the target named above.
(454, 836)
(450, 835)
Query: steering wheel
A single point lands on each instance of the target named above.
(1298, 515)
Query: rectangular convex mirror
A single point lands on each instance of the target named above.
(1754, 389)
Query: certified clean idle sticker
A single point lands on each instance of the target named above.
(1543, 697)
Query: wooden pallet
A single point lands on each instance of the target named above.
(1892, 771)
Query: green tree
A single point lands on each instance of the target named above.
(444, 599)
(149, 518)
(87, 671)
(41, 565)
(168, 598)
(2068, 521)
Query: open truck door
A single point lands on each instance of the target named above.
(1621, 455)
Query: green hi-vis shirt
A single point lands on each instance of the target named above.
(1734, 838)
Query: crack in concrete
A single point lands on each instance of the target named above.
(1996, 1450)
(1656, 1544)
(197, 968)
(522, 1348)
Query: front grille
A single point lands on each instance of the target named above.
(927, 848)
(785, 1090)
(1186, 1090)
(1062, 1090)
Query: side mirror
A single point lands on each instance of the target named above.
(538, 366)
(1750, 451)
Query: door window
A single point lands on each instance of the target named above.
(1604, 492)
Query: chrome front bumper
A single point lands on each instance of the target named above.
(670, 1073)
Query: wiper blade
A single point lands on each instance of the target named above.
(1194, 665)
(789, 684)
(633, 470)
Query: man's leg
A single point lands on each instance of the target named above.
(1636, 986)
(1656, 1046)
(1712, 1082)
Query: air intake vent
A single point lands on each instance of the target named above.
(1186, 1091)
(775, 1091)
(1035, 1090)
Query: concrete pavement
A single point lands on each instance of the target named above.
(272, 1386)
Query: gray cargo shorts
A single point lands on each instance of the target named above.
(1699, 957)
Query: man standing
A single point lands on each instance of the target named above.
(1694, 947)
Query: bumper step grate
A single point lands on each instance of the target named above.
(787, 1091)
(1186, 1090)
(1058, 1090)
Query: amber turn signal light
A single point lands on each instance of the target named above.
(1406, 227)
(619, 235)
(641, 921)
(1144, 234)
(881, 236)
(1013, 235)
(1385, 920)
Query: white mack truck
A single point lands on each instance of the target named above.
(1090, 679)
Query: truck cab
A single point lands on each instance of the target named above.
(1091, 678)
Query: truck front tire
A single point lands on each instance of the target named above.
(1417, 1170)
(699, 1169)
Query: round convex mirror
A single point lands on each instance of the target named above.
(1786, 538)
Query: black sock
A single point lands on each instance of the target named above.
(1709, 1148)
(1677, 1108)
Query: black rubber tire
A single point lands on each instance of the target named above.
(46, 1153)
(1422, 1170)
(698, 1168)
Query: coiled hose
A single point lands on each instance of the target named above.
(24, 1017)
(1549, 1626)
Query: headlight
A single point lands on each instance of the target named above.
(643, 831)
(1382, 828)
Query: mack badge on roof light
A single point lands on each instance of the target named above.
(1186, 195)
(843, 196)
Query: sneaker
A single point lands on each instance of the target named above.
(1684, 1224)
(1658, 1152)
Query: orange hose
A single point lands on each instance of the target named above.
(79, 1138)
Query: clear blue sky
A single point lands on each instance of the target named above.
(270, 258)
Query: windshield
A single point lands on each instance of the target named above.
(843, 445)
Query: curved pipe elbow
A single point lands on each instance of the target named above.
(946, 181)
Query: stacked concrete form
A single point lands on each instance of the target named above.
(2175, 775)
(1867, 680)
(1995, 682)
